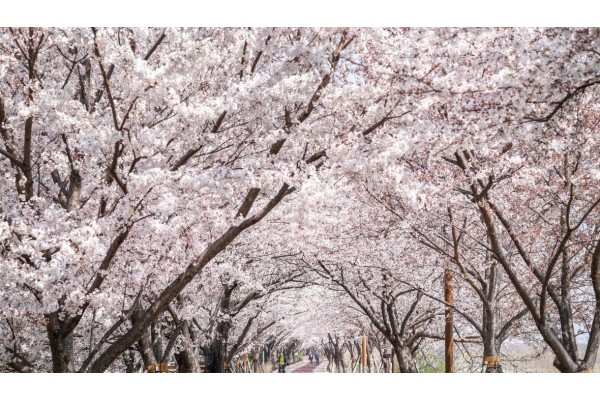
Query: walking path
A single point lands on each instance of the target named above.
(322, 366)
(306, 367)
(293, 367)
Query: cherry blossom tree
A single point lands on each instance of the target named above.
(253, 167)
(126, 149)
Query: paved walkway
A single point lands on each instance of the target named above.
(322, 366)
(306, 367)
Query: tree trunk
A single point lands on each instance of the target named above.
(330, 359)
(566, 312)
(216, 353)
(214, 357)
(449, 326)
(369, 360)
(406, 361)
(61, 347)
(157, 340)
(186, 358)
(340, 361)
(491, 355)
(61, 344)
(129, 360)
(145, 344)
(353, 360)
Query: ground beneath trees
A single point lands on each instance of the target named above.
(306, 367)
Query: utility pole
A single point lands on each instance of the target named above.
(364, 354)
(449, 328)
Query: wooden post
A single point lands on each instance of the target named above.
(364, 354)
(449, 328)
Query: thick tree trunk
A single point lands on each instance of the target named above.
(330, 360)
(491, 345)
(61, 344)
(215, 362)
(186, 359)
(255, 362)
(406, 361)
(129, 360)
(491, 355)
(340, 361)
(353, 359)
(566, 312)
(186, 362)
(61, 347)
(146, 352)
(266, 357)
(216, 352)
(157, 340)
(337, 355)
(145, 344)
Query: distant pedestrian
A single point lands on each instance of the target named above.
(310, 357)
(317, 358)
(282, 363)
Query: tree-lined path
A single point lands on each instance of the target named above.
(202, 199)
(306, 367)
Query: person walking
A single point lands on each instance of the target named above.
(282, 363)
(317, 358)
(310, 357)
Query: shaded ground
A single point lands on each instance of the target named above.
(306, 367)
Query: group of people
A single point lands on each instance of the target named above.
(282, 361)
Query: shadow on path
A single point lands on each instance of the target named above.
(307, 368)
